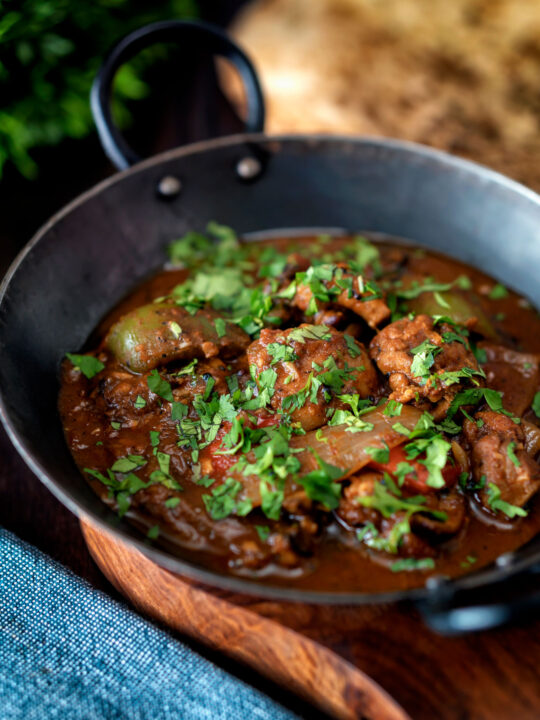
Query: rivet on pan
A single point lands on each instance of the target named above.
(504, 560)
(169, 186)
(248, 168)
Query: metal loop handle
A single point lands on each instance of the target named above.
(207, 37)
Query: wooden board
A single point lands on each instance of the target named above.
(375, 662)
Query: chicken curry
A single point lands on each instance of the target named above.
(332, 413)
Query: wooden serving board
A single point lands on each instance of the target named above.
(375, 663)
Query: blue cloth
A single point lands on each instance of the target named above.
(69, 652)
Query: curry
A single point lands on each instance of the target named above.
(336, 413)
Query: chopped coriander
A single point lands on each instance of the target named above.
(536, 404)
(263, 531)
(116, 425)
(416, 289)
(387, 503)
(379, 454)
(188, 369)
(352, 346)
(440, 300)
(424, 357)
(178, 411)
(480, 354)
(205, 481)
(159, 386)
(393, 408)
(496, 503)
(175, 329)
(389, 542)
(320, 436)
(222, 502)
(211, 381)
(271, 500)
(128, 464)
(498, 292)
(172, 502)
(464, 282)
(87, 364)
(510, 451)
(320, 486)
(153, 532)
(99, 443)
(410, 564)
(221, 327)
(281, 353)
(310, 332)
(140, 402)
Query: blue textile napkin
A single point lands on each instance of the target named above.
(69, 652)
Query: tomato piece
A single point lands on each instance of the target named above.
(416, 480)
(221, 464)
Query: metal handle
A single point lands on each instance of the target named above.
(514, 597)
(207, 37)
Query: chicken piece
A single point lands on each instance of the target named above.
(514, 374)
(499, 458)
(416, 357)
(350, 510)
(354, 514)
(451, 503)
(313, 364)
(355, 296)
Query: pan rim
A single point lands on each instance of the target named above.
(162, 557)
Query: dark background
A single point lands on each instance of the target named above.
(185, 105)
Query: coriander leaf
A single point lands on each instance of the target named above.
(87, 364)
(221, 503)
(388, 504)
(281, 353)
(536, 404)
(153, 532)
(178, 411)
(221, 327)
(510, 450)
(263, 531)
(352, 346)
(393, 408)
(498, 292)
(416, 289)
(140, 402)
(172, 502)
(379, 454)
(271, 500)
(496, 503)
(310, 332)
(159, 386)
(320, 486)
(128, 464)
(424, 357)
(175, 329)
(409, 564)
(464, 282)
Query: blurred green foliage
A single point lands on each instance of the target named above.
(50, 51)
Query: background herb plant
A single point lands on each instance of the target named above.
(50, 51)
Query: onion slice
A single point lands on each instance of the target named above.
(338, 446)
